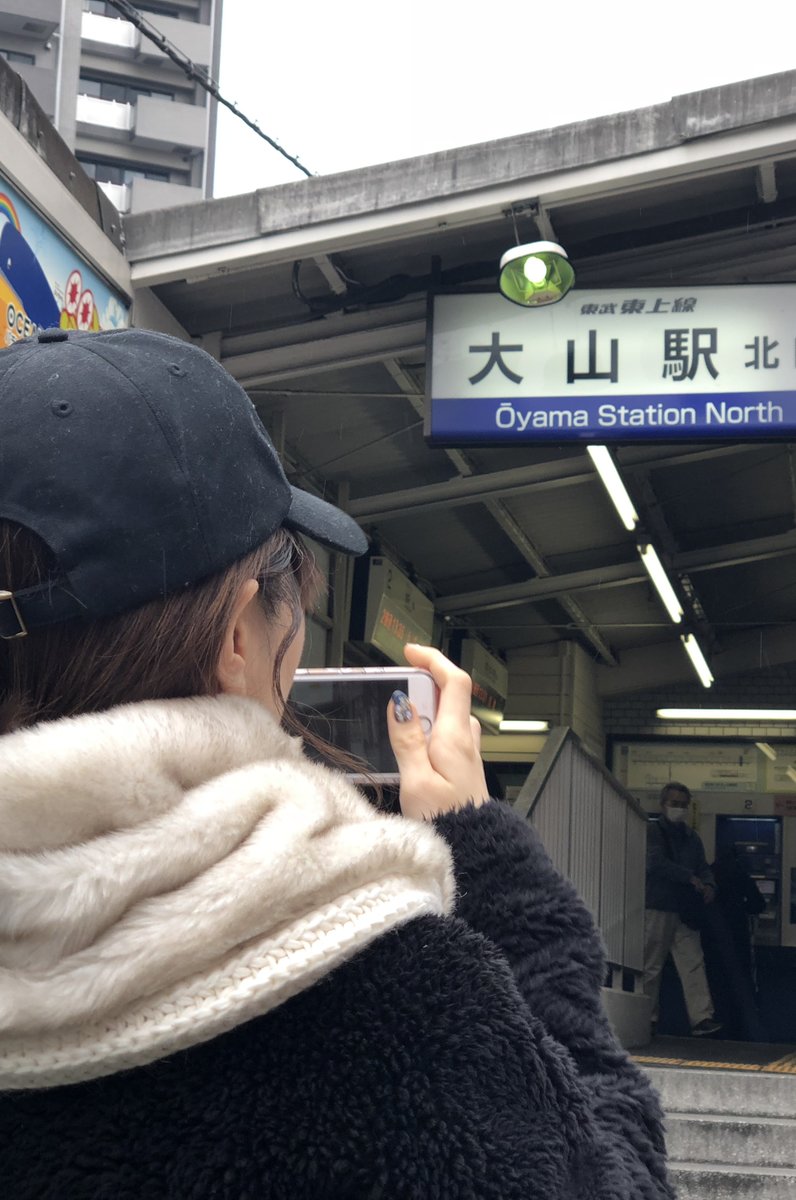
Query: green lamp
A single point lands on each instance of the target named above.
(535, 274)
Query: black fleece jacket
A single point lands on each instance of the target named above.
(465, 1058)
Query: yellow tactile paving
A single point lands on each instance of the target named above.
(786, 1065)
(782, 1066)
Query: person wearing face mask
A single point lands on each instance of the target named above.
(679, 884)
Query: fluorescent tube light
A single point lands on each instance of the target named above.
(791, 773)
(655, 570)
(694, 652)
(727, 714)
(766, 749)
(606, 469)
(524, 726)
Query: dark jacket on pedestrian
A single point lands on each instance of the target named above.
(455, 1056)
(674, 854)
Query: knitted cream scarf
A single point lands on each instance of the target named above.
(171, 869)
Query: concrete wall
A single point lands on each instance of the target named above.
(151, 313)
(48, 12)
(155, 193)
(41, 81)
(169, 122)
(557, 683)
(193, 39)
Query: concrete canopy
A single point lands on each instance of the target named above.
(519, 544)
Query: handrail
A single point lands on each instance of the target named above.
(554, 744)
(595, 832)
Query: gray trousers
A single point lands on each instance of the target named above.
(665, 933)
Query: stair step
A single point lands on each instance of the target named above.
(730, 1093)
(731, 1140)
(707, 1181)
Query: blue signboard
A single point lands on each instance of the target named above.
(44, 282)
(614, 365)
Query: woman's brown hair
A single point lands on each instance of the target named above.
(165, 649)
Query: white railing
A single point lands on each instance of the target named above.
(110, 114)
(109, 30)
(118, 194)
(596, 834)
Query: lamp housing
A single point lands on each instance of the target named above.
(535, 274)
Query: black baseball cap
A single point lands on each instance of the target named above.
(144, 467)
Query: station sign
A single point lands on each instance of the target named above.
(490, 678)
(44, 281)
(701, 766)
(396, 611)
(614, 365)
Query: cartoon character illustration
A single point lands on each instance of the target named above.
(79, 310)
(25, 293)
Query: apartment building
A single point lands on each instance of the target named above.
(137, 123)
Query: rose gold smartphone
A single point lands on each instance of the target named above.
(348, 707)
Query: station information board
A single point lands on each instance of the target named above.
(397, 611)
(701, 766)
(490, 679)
(614, 365)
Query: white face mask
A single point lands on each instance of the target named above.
(675, 814)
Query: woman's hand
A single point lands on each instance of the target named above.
(444, 772)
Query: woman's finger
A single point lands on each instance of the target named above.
(423, 792)
(455, 685)
(406, 737)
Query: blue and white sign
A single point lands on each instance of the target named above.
(615, 365)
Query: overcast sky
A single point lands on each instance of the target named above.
(358, 82)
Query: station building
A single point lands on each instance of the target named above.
(322, 297)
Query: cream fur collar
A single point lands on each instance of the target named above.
(171, 869)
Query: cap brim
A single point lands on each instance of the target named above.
(326, 524)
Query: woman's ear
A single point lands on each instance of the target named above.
(237, 644)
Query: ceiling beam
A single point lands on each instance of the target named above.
(507, 522)
(617, 575)
(734, 554)
(476, 489)
(259, 368)
(645, 668)
(535, 590)
(472, 489)
(587, 629)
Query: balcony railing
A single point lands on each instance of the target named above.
(109, 32)
(151, 121)
(109, 35)
(118, 194)
(105, 114)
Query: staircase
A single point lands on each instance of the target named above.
(731, 1135)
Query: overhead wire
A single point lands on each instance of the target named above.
(199, 75)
